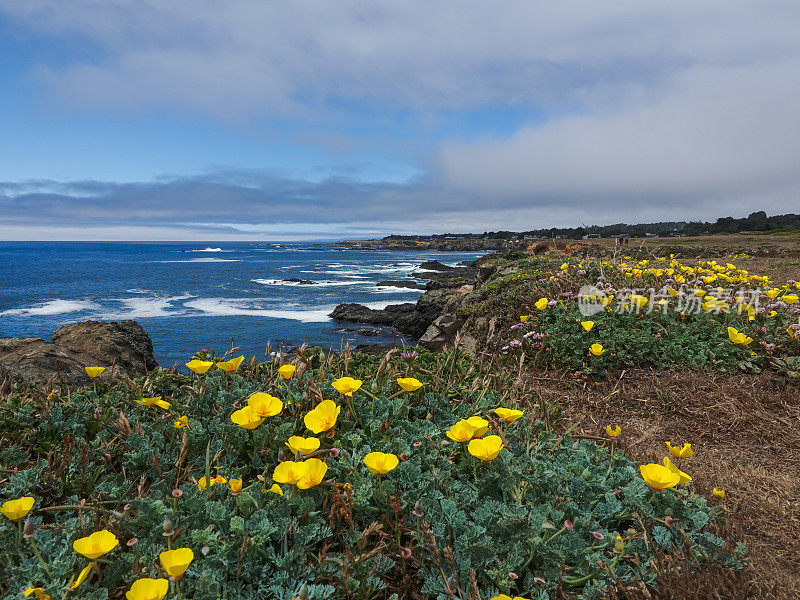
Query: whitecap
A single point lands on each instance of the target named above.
(316, 284)
(225, 307)
(52, 307)
(200, 260)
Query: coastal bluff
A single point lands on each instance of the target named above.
(124, 345)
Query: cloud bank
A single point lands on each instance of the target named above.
(630, 112)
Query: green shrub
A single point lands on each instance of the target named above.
(543, 515)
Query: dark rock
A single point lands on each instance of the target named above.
(413, 285)
(300, 281)
(365, 331)
(403, 317)
(435, 265)
(75, 346)
(441, 332)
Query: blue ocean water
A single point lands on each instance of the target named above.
(190, 295)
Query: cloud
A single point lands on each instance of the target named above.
(246, 57)
(718, 136)
(636, 111)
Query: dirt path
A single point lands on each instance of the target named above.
(745, 430)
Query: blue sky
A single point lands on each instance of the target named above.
(138, 119)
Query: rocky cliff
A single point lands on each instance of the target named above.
(124, 345)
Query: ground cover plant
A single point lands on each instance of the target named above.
(337, 476)
(593, 315)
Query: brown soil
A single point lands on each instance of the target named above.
(745, 430)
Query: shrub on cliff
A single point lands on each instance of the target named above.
(471, 502)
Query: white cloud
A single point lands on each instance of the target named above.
(255, 57)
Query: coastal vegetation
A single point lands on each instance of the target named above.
(620, 426)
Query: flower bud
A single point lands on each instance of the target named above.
(28, 529)
(168, 531)
(418, 510)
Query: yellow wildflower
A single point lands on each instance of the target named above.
(96, 545)
(14, 510)
(380, 463)
(486, 449)
(155, 401)
(175, 562)
(302, 445)
(346, 386)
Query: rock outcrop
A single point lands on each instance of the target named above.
(123, 344)
(412, 285)
(445, 286)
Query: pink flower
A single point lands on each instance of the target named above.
(132, 542)
(668, 521)
(177, 493)
(417, 444)
(598, 535)
(406, 553)
(568, 524)
(334, 452)
(404, 457)
(539, 580)
(513, 576)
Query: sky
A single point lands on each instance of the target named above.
(254, 119)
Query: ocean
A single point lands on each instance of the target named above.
(190, 295)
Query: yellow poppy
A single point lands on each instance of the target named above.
(523, 318)
(380, 463)
(183, 421)
(175, 562)
(313, 472)
(198, 367)
(659, 477)
(596, 349)
(718, 492)
(773, 293)
(82, 576)
(323, 416)
(214, 481)
(462, 431)
(613, 432)
(409, 384)
(14, 510)
(587, 325)
(486, 448)
(346, 386)
(789, 298)
(507, 597)
(738, 337)
(480, 424)
(148, 589)
(235, 485)
(684, 477)
(508, 414)
(38, 592)
(96, 545)
(156, 401)
(302, 445)
(637, 300)
(288, 471)
(276, 489)
(231, 365)
(247, 417)
(286, 371)
(680, 451)
(265, 405)
(541, 303)
(94, 371)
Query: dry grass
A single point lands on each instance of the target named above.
(746, 432)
